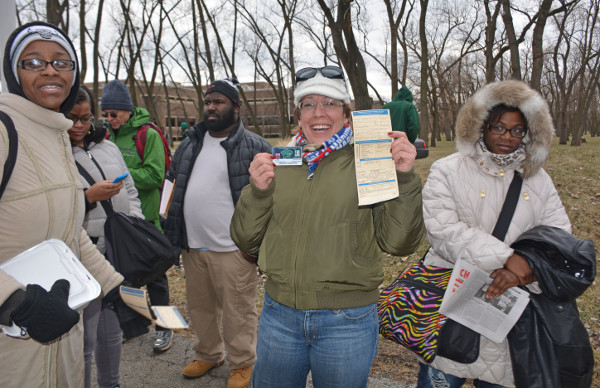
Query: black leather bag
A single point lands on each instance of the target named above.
(135, 247)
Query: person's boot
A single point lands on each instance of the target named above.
(199, 368)
(240, 378)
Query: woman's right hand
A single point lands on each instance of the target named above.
(503, 280)
(262, 170)
(102, 191)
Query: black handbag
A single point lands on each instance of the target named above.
(408, 308)
(135, 247)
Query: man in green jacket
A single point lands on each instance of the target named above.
(148, 175)
(403, 114)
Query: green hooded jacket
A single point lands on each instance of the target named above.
(148, 176)
(318, 248)
(403, 114)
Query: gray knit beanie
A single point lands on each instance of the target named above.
(116, 96)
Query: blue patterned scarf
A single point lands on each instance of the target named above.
(314, 153)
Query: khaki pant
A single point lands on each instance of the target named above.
(221, 292)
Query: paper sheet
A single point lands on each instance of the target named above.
(165, 197)
(375, 170)
(164, 316)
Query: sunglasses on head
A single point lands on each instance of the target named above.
(334, 72)
(113, 115)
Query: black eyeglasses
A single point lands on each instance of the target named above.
(112, 115)
(500, 130)
(36, 64)
(84, 120)
(334, 72)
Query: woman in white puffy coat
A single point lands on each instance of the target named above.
(505, 127)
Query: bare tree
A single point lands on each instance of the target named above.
(423, 103)
(55, 13)
(347, 50)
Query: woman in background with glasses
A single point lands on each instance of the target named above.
(43, 200)
(503, 129)
(321, 252)
(103, 161)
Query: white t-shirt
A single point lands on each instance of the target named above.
(208, 205)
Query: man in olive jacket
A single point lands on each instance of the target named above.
(210, 168)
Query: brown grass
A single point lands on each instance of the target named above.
(576, 175)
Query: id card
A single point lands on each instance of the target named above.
(287, 156)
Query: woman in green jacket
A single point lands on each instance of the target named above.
(322, 253)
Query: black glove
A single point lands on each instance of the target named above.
(46, 315)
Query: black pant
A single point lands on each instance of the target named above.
(158, 291)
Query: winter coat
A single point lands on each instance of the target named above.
(108, 156)
(149, 175)
(241, 146)
(403, 114)
(318, 248)
(463, 196)
(549, 345)
(43, 200)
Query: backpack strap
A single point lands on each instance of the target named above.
(13, 147)
(508, 208)
(140, 140)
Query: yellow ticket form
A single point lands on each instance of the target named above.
(164, 316)
(376, 178)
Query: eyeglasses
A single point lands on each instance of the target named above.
(84, 120)
(327, 106)
(500, 130)
(334, 72)
(36, 64)
(113, 115)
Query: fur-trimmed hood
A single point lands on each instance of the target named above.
(512, 93)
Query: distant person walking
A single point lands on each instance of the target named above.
(148, 175)
(210, 168)
(403, 114)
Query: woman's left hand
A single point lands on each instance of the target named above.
(403, 152)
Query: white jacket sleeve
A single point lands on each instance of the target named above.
(452, 237)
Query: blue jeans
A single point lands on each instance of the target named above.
(337, 346)
(429, 377)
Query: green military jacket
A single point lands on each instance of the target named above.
(319, 249)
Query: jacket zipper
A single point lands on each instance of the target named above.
(302, 235)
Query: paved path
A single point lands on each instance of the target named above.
(141, 368)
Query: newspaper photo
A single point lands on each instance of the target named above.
(465, 302)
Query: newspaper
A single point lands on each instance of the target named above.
(164, 316)
(465, 302)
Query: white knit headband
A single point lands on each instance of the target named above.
(33, 33)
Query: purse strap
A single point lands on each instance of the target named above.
(13, 146)
(508, 208)
(107, 205)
